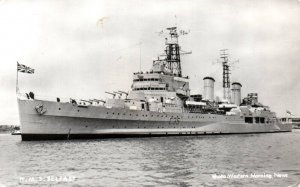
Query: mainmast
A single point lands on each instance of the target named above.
(226, 72)
(173, 53)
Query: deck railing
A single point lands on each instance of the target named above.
(28, 96)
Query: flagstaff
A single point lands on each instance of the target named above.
(17, 80)
(23, 69)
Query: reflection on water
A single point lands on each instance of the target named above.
(171, 161)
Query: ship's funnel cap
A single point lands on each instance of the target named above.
(237, 83)
(209, 78)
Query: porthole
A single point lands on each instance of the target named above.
(78, 110)
(59, 108)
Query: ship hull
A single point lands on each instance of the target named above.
(60, 121)
(38, 137)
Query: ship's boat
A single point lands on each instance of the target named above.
(159, 104)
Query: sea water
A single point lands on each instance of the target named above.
(211, 160)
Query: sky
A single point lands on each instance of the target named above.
(80, 49)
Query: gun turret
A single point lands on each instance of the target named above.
(117, 93)
(126, 93)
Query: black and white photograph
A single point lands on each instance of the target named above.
(150, 93)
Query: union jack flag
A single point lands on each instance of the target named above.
(24, 69)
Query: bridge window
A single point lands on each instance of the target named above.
(262, 120)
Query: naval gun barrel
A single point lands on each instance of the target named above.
(86, 101)
(113, 94)
(117, 93)
(126, 93)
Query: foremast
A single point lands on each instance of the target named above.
(170, 62)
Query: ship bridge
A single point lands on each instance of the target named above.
(166, 72)
(159, 82)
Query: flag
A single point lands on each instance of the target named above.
(288, 112)
(24, 69)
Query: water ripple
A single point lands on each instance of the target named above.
(165, 161)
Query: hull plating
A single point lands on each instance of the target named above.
(67, 121)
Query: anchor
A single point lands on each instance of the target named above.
(40, 109)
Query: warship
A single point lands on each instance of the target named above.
(159, 103)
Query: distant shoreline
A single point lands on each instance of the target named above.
(5, 129)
